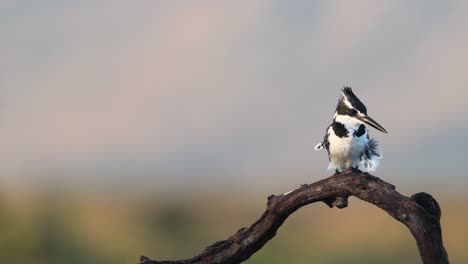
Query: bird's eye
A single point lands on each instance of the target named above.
(352, 112)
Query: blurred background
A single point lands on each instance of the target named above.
(159, 127)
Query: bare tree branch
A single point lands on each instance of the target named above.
(420, 213)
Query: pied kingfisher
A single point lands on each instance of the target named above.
(347, 138)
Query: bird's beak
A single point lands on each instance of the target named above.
(371, 122)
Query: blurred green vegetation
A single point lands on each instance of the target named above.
(50, 227)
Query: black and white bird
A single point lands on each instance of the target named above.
(347, 138)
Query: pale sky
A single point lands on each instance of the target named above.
(225, 92)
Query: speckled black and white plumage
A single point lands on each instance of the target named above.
(347, 138)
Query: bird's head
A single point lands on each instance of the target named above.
(350, 108)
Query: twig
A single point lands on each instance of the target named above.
(420, 213)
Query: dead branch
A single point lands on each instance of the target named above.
(420, 213)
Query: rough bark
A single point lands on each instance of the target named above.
(420, 213)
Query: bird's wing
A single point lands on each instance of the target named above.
(371, 156)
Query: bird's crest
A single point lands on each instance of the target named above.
(351, 100)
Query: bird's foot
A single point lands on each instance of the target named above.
(351, 170)
(348, 170)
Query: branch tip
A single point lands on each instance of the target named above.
(144, 260)
(428, 203)
(338, 202)
(341, 202)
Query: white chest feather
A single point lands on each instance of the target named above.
(346, 152)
